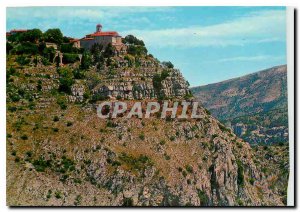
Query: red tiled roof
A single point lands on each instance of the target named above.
(112, 33)
(87, 39)
(18, 30)
(74, 40)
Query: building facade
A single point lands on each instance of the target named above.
(103, 38)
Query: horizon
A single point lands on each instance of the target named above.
(221, 37)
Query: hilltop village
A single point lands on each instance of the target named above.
(98, 37)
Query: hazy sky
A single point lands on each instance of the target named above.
(208, 44)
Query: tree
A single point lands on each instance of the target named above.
(168, 64)
(66, 39)
(27, 48)
(9, 47)
(49, 53)
(86, 60)
(130, 39)
(53, 35)
(70, 58)
(32, 35)
(137, 50)
(109, 51)
(66, 80)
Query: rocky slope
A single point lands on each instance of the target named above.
(60, 153)
(254, 106)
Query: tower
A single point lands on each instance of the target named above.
(98, 28)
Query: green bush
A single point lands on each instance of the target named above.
(168, 64)
(41, 164)
(240, 178)
(137, 50)
(32, 35)
(130, 39)
(189, 168)
(66, 80)
(139, 163)
(62, 103)
(111, 124)
(70, 58)
(22, 60)
(24, 137)
(86, 60)
(78, 74)
(26, 48)
(127, 202)
(142, 136)
(204, 200)
(53, 35)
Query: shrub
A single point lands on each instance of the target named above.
(69, 124)
(139, 163)
(27, 48)
(111, 124)
(70, 58)
(167, 157)
(9, 47)
(78, 74)
(86, 60)
(251, 181)
(127, 202)
(12, 108)
(168, 64)
(189, 168)
(240, 178)
(57, 195)
(41, 164)
(137, 50)
(55, 118)
(24, 137)
(62, 103)
(204, 200)
(29, 154)
(142, 136)
(162, 142)
(66, 80)
(17, 159)
(22, 60)
(97, 97)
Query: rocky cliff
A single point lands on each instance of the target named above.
(254, 106)
(60, 153)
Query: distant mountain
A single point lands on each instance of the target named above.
(254, 106)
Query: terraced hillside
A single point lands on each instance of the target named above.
(60, 153)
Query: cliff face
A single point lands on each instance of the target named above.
(61, 153)
(147, 162)
(136, 80)
(254, 106)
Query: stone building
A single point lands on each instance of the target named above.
(103, 38)
(76, 43)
